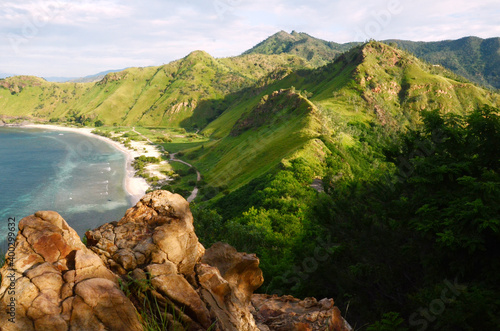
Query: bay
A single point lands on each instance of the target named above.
(80, 177)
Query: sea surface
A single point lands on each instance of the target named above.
(80, 177)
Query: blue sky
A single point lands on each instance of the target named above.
(82, 37)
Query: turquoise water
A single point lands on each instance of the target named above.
(79, 177)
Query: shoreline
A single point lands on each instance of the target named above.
(135, 187)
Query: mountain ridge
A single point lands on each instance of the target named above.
(371, 85)
(163, 95)
(483, 69)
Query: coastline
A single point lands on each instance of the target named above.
(135, 187)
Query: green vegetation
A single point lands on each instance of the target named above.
(381, 240)
(374, 87)
(318, 52)
(141, 161)
(155, 312)
(370, 241)
(183, 179)
(183, 93)
(471, 57)
(372, 179)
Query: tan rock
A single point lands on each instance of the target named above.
(157, 234)
(167, 268)
(88, 265)
(241, 270)
(83, 318)
(46, 303)
(25, 256)
(108, 303)
(54, 275)
(159, 227)
(177, 289)
(223, 302)
(126, 258)
(51, 217)
(51, 323)
(45, 277)
(154, 254)
(289, 313)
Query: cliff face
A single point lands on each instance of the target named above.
(152, 255)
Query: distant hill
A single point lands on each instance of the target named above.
(318, 52)
(86, 79)
(4, 75)
(471, 57)
(59, 79)
(94, 78)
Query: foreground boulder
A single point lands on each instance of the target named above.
(149, 267)
(53, 282)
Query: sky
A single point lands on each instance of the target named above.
(75, 38)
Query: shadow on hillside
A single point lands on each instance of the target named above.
(209, 110)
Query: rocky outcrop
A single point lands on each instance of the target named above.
(149, 266)
(288, 313)
(53, 282)
(227, 281)
(155, 242)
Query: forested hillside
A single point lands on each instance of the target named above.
(471, 57)
(318, 52)
(474, 58)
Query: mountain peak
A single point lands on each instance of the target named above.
(318, 52)
(198, 54)
(282, 35)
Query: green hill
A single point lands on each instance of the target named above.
(474, 58)
(318, 52)
(372, 87)
(194, 91)
(383, 137)
(471, 57)
(154, 96)
(269, 129)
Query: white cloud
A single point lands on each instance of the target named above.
(80, 37)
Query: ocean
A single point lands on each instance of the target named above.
(80, 177)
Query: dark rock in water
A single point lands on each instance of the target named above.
(151, 255)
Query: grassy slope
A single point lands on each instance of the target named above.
(372, 86)
(378, 82)
(165, 95)
(288, 122)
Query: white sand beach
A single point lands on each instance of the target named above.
(134, 186)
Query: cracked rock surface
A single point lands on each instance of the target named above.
(151, 254)
(57, 283)
(289, 313)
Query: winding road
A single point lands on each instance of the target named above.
(194, 193)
